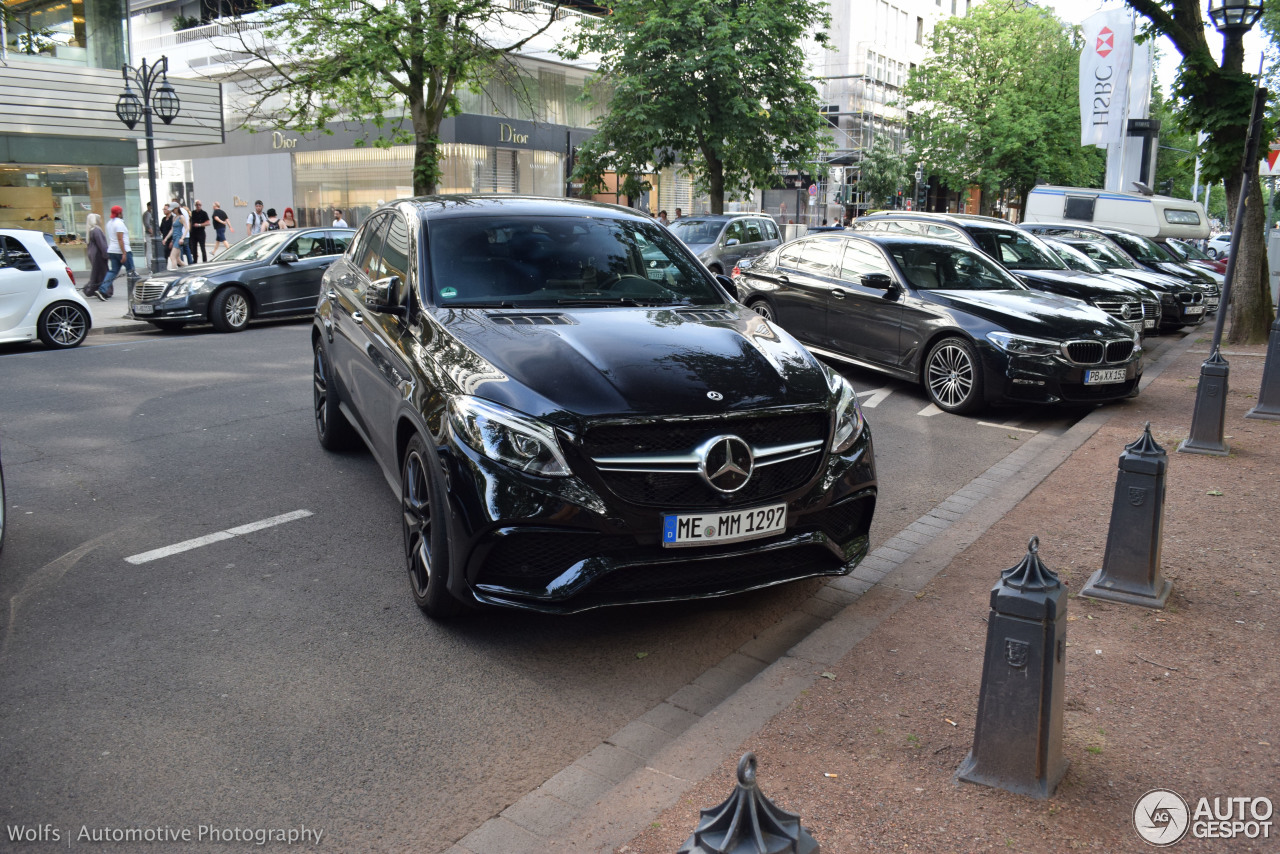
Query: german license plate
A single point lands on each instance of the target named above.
(701, 529)
(1195, 309)
(1135, 325)
(1149, 323)
(1103, 376)
(1212, 302)
(144, 308)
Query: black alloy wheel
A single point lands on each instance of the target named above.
(762, 308)
(953, 376)
(63, 325)
(332, 427)
(230, 310)
(425, 540)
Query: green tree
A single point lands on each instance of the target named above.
(883, 172)
(996, 104)
(397, 66)
(1216, 99)
(1176, 160)
(715, 85)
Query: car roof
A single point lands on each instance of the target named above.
(450, 206)
(34, 241)
(930, 216)
(887, 240)
(1085, 226)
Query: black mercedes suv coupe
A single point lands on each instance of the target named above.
(575, 413)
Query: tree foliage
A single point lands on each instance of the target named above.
(715, 85)
(1217, 100)
(996, 104)
(884, 172)
(395, 65)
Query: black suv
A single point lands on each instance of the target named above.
(1027, 258)
(576, 413)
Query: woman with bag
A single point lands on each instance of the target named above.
(96, 251)
(178, 236)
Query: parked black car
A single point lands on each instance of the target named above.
(1027, 258)
(575, 413)
(273, 274)
(941, 314)
(1181, 304)
(1144, 252)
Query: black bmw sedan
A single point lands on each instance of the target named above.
(575, 413)
(946, 316)
(273, 274)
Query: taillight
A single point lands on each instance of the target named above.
(71, 276)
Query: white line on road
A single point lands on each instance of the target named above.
(217, 537)
(874, 397)
(1006, 427)
(929, 410)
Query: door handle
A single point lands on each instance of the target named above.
(357, 317)
(331, 296)
(837, 293)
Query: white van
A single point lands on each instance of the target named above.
(1152, 216)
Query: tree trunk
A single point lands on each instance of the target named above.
(1250, 309)
(425, 166)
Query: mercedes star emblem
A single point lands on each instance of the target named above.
(715, 395)
(726, 463)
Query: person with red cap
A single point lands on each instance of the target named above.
(118, 252)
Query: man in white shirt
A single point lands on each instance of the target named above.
(256, 220)
(118, 252)
(338, 221)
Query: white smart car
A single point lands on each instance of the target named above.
(38, 296)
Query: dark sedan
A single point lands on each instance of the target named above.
(575, 413)
(946, 316)
(274, 274)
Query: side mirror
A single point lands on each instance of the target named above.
(728, 285)
(383, 296)
(879, 281)
(732, 241)
(287, 258)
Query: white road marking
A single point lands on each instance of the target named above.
(874, 397)
(929, 410)
(217, 537)
(1006, 427)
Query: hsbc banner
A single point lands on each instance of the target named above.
(1104, 76)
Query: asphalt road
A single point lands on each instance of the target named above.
(281, 677)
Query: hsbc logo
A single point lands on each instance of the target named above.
(1106, 41)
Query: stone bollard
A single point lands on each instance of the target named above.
(1131, 566)
(749, 823)
(1017, 742)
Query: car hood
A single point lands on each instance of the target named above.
(1183, 272)
(596, 362)
(1078, 284)
(1033, 313)
(1154, 281)
(212, 268)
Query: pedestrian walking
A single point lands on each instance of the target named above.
(662, 218)
(338, 221)
(287, 220)
(679, 215)
(149, 226)
(273, 221)
(199, 221)
(221, 225)
(96, 251)
(256, 221)
(178, 236)
(118, 253)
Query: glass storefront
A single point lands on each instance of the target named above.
(358, 180)
(93, 33)
(58, 199)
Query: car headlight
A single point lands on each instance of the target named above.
(187, 287)
(849, 421)
(508, 437)
(1023, 346)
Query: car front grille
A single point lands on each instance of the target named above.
(1151, 310)
(616, 448)
(148, 290)
(1122, 309)
(1095, 352)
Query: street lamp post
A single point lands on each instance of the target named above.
(1232, 18)
(159, 97)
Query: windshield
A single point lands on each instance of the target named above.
(1188, 251)
(1105, 254)
(572, 260)
(951, 268)
(1016, 250)
(1074, 258)
(1141, 248)
(256, 248)
(697, 232)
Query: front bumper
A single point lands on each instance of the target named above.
(563, 545)
(1050, 380)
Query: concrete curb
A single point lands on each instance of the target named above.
(612, 794)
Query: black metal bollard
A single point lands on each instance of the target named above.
(1131, 566)
(1017, 743)
(749, 823)
(1268, 407)
(1210, 413)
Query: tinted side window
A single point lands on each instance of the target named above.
(896, 227)
(308, 246)
(944, 232)
(821, 257)
(859, 260)
(735, 231)
(360, 245)
(754, 234)
(395, 253)
(770, 229)
(338, 241)
(16, 255)
(370, 250)
(790, 254)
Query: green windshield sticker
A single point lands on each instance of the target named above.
(449, 293)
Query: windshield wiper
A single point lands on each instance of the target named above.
(626, 301)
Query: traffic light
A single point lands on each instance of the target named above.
(922, 197)
(1166, 187)
(897, 202)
